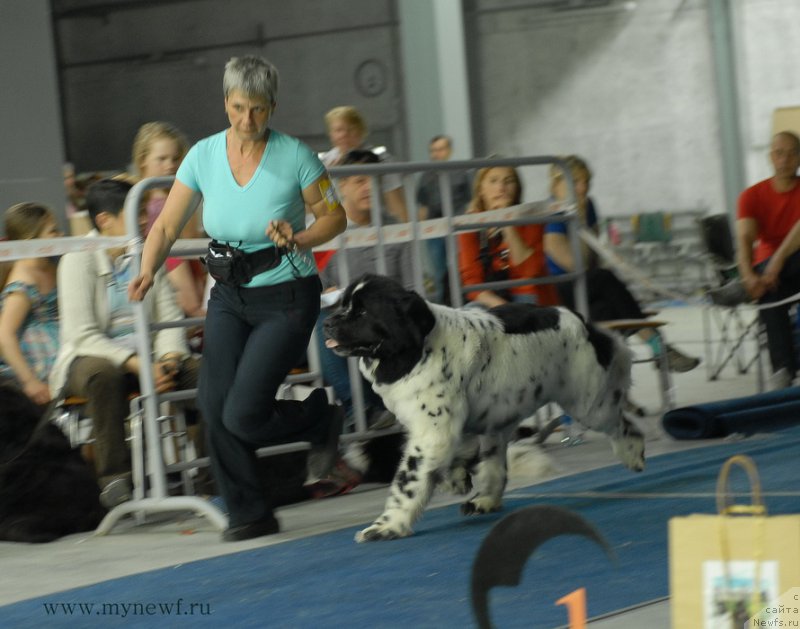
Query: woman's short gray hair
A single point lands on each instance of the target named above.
(251, 75)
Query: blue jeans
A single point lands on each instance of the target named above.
(437, 257)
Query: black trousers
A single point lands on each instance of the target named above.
(608, 297)
(253, 338)
(778, 324)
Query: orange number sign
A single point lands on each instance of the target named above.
(576, 608)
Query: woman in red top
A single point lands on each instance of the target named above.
(512, 252)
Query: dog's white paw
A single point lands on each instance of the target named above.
(630, 450)
(480, 504)
(378, 531)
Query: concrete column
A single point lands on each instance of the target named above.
(722, 42)
(435, 75)
(32, 153)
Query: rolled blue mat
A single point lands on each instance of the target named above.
(763, 412)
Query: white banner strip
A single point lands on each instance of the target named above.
(46, 247)
(440, 227)
(352, 238)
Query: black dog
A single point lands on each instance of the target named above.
(47, 490)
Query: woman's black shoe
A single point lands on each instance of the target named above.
(259, 528)
(322, 456)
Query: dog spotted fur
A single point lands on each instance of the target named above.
(460, 381)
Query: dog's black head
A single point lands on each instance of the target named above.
(379, 319)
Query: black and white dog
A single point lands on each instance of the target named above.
(460, 381)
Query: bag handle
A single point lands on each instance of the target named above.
(725, 504)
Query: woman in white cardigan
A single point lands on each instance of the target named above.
(98, 359)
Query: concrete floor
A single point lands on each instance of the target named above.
(167, 540)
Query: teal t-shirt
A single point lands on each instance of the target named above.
(239, 215)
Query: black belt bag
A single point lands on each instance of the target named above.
(232, 266)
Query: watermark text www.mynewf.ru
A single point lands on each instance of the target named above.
(124, 610)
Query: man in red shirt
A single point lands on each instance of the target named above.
(768, 249)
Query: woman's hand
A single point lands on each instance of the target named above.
(282, 234)
(139, 286)
(37, 391)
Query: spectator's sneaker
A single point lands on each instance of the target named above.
(115, 493)
(781, 379)
(678, 362)
(341, 480)
(732, 294)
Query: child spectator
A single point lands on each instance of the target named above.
(28, 305)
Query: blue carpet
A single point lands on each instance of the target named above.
(423, 581)
(747, 415)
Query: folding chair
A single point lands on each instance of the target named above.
(731, 319)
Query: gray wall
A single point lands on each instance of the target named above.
(30, 125)
(164, 61)
(630, 90)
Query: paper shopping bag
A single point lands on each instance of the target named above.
(726, 568)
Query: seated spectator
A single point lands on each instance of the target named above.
(28, 305)
(357, 201)
(430, 206)
(347, 131)
(767, 245)
(502, 253)
(607, 295)
(98, 358)
(158, 150)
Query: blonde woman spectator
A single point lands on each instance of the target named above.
(505, 253)
(28, 305)
(347, 130)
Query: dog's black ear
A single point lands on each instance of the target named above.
(419, 314)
